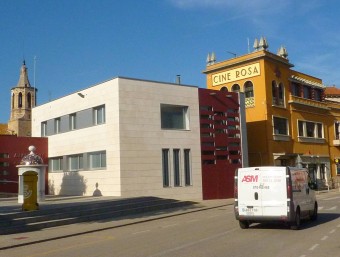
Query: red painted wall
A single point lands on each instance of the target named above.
(220, 142)
(12, 149)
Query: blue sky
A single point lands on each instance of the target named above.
(79, 43)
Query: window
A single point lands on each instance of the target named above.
(319, 130)
(75, 162)
(248, 89)
(99, 115)
(44, 129)
(97, 160)
(274, 92)
(187, 167)
(295, 89)
(4, 164)
(306, 92)
(20, 100)
(280, 126)
(177, 173)
(235, 88)
(4, 155)
(165, 167)
(310, 129)
(337, 129)
(281, 94)
(174, 117)
(57, 126)
(317, 95)
(56, 164)
(29, 100)
(73, 123)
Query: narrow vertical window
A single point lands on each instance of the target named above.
(281, 94)
(20, 100)
(319, 128)
(57, 126)
(337, 129)
(187, 167)
(177, 174)
(301, 128)
(29, 100)
(44, 129)
(274, 93)
(310, 129)
(165, 167)
(73, 124)
(306, 92)
(13, 101)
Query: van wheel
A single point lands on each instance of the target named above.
(314, 216)
(244, 224)
(297, 222)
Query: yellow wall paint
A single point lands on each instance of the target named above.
(262, 144)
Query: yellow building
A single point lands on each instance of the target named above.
(289, 122)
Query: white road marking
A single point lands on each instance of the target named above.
(313, 247)
(213, 216)
(140, 232)
(320, 208)
(170, 225)
(191, 244)
(332, 208)
(338, 226)
(324, 238)
(332, 231)
(194, 220)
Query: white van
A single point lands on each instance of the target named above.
(274, 194)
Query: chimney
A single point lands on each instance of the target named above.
(178, 79)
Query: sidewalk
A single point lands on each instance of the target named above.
(10, 205)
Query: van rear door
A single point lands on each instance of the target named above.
(274, 191)
(262, 191)
(249, 202)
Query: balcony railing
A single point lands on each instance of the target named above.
(307, 102)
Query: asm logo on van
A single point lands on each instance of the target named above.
(250, 178)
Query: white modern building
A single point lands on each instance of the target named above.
(123, 137)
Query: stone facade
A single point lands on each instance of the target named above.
(23, 98)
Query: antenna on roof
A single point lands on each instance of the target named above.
(248, 45)
(34, 89)
(232, 53)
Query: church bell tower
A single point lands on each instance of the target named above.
(23, 99)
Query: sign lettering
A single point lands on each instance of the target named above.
(250, 178)
(244, 72)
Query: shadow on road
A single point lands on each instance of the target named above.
(305, 224)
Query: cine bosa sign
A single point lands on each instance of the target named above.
(244, 72)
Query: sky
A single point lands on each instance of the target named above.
(69, 45)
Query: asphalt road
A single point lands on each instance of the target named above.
(213, 232)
